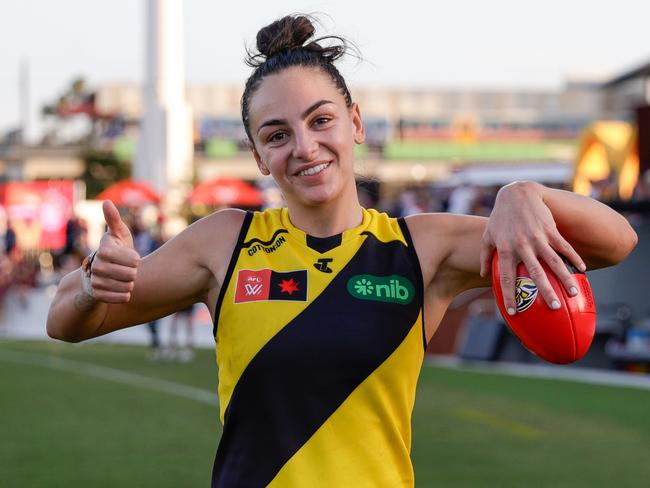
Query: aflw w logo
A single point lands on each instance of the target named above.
(252, 290)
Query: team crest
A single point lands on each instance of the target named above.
(525, 293)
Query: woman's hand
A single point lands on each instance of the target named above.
(115, 265)
(522, 229)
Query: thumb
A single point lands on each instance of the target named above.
(116, 226)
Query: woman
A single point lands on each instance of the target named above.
(318, 308)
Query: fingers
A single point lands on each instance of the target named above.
(562, 246)
(111, 297)
(113, 271)
(523, 230)
(112, 282)
(559, 268)
(115, 253)
(538, 274)
(114, 268)
(487, 251)
(507, 275)
(116, 226)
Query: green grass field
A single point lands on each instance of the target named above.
(154, 424)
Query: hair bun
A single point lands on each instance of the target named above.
(284, 34)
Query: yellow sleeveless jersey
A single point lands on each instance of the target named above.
(319, 345)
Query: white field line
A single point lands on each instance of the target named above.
(618, 379)
(109, 374)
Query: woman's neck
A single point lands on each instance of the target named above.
(327, 219)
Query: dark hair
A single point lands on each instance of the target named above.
(281, 45)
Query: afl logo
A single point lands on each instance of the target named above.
(525, 293)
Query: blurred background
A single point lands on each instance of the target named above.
(138, 102)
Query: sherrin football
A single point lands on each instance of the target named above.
(559, 336)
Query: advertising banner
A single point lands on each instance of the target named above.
(38, 212)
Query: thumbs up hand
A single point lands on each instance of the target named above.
(114, 267)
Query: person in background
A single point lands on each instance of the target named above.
(6, 278)
(186, 352)
(10, 241)
(147, 241)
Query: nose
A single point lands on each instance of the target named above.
(305, 146)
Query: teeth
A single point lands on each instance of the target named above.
(313, 171)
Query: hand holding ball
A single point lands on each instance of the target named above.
(559, 336)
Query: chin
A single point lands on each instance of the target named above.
(316, 197)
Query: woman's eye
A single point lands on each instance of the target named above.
(276, 137)
(322, 120)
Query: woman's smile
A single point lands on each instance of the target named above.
(314, 170)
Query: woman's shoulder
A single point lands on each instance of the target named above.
(215, 231)
(226, 216)
(227, 224)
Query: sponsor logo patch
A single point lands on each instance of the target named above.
(268, 248)
(525, 293)
(392, 289)
(266, 284)
(323, 265)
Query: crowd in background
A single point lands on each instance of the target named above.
(18, 269)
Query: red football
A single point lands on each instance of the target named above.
(559, 336)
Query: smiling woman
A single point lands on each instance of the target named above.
(306, 145)
(319, 307)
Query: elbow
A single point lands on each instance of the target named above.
(625, 243)
(54, 331)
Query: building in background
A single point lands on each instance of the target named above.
(413, 135)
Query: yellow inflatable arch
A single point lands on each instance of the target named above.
(607, 150)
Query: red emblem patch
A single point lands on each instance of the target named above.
(253, 285)
(266, 284)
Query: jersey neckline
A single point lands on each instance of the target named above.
(346, 236)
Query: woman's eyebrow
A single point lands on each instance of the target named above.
(304, 115)
(313, 107)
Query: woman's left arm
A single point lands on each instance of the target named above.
(532, 223)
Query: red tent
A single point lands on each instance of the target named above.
(130, 193)
(226, 191)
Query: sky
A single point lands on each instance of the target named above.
(407, 43)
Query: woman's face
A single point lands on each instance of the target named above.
(304, 135)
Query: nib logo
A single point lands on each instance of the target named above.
(364, 287)
(393, 288)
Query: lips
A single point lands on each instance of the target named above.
(314, 170)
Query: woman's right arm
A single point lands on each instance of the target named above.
(128, 291)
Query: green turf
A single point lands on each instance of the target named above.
(60, 428)
(69, 430)
(486, 430)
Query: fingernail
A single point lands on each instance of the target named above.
(555, 304)
(583, 268)
(511, 311)
(573, 291)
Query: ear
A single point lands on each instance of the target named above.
(260, 164)
(359, 131)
